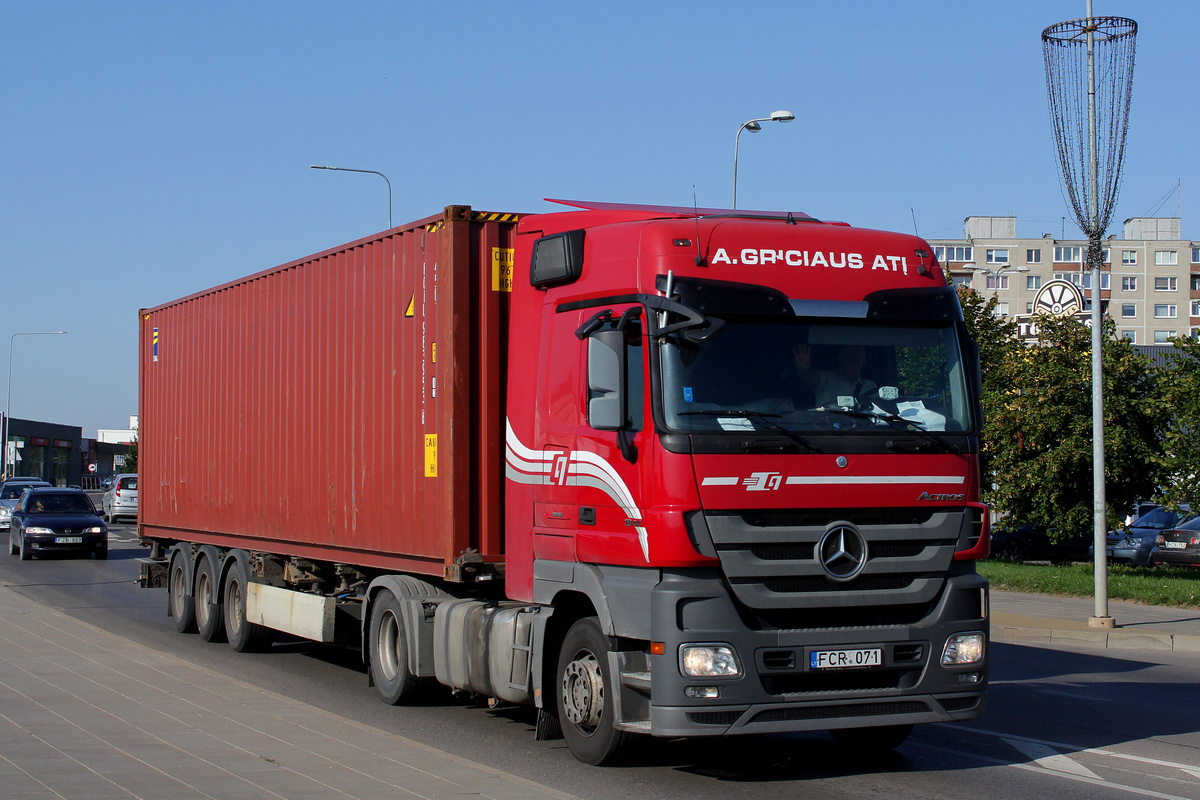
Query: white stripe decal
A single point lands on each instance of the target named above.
(719, 482)
(523, 465)
(874, 479)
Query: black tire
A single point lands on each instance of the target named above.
(12, 544)
(102, 554)
(1013, 550)
(182, 604)
(25, 552)
(210, 621)
(389, 652)
(884, 737)
(244, 636)
(583, 687)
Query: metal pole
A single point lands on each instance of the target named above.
(1101, 618)
(369, 172)
(752, 126)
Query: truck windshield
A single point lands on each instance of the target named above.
(801, 374)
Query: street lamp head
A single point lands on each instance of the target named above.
(782, 116)
(753, 127)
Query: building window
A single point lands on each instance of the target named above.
(997, 256)
(1162, 337)
(1164, 311)
(1128, 284)
(1130, 335)
(1033, 282)
(1129, 258)
(997, 281)
(1035, 256)
(1196, 308)
(1029, 307)
(1166, 284)
(1166, 258)
(961, 280)
(1196, 283)
(1196, 255)
(1128, 310)
(1084, 279)
(948, 254)
(1068, 255)
(1001, 309)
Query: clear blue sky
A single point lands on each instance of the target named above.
(152, 149)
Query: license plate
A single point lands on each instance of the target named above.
(68, 540)
(845, 659)
(1176, 545)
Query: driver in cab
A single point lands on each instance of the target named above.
(829, 386)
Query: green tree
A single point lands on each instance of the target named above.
(1181, 445)
(1040, 428)
(131, 457)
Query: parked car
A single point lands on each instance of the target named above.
(51, 520)
(10, 493)
(1030, 543)
(1180, 545)
(121, 498)
(1136, 544)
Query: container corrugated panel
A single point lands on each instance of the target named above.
(344, 407)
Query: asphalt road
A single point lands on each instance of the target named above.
(1072, 724)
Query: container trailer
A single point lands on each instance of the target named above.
(655, 471)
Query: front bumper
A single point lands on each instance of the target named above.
(47, 543)
(779, 692)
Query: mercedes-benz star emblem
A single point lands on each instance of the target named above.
(842, 552)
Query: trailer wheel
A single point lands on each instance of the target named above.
(584, 691)
(183, 605)
(389, 652)
(244, 636)
(209, 619)
(884, 737)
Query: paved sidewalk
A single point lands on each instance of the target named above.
(86, 714)
(1044, 619)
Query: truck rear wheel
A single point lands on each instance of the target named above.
(183, 606)
(389, 652)
(244, 636)
(884, 737)
(208, 611)
(584, 689)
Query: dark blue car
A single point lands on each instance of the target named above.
(50, 520)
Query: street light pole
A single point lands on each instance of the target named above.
(8, 407)
(370, 172)
(754, 127)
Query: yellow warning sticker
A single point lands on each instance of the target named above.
(412, 302)
(433, 352)
(502, 269)
(431, 455)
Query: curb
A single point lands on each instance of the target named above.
(1102, 639)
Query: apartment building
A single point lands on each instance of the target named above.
(1149, 282)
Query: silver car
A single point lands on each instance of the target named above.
(121, 498)
(10, 494)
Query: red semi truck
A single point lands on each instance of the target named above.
(665, 471)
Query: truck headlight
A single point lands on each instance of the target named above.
(963, 648)
(708, 661)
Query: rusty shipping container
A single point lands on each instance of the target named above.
(347, 406)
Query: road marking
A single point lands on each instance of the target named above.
(1050, 758)
(1072, 695)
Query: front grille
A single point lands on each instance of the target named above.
(835, 712)
(805, 517)
(959, 703)
(823, 584)
(841, 681)
(771, 560)
(714, 717)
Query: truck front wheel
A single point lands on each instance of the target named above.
(389, 652)
(585, 690)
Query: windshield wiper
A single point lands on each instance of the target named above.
(757, 416)
(896, 422)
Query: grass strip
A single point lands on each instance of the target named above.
(1161, 586)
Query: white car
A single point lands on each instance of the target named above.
(121, 498)
(10, 495)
